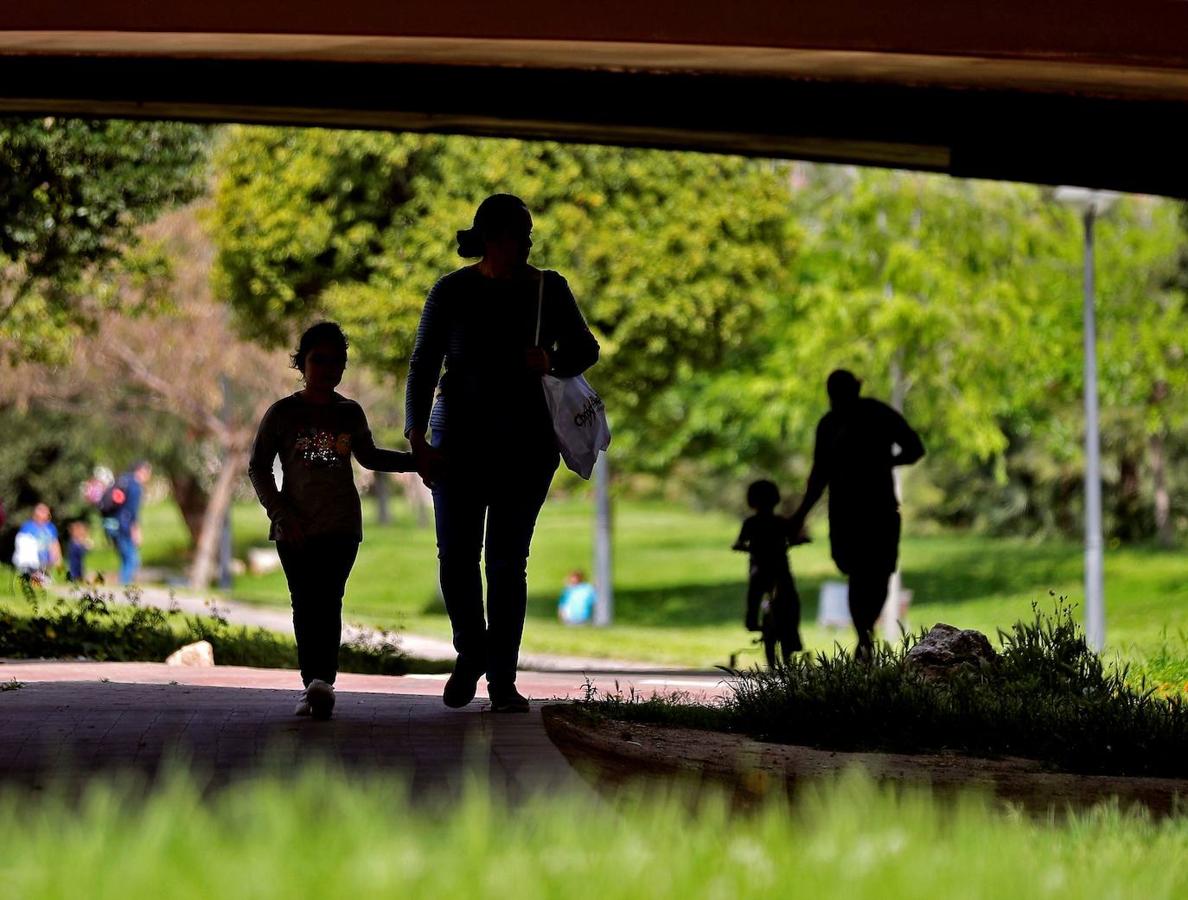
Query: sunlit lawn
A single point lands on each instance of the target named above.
(679, 588)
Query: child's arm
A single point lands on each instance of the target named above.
(372, 457)
(264, 451)
(743, 543)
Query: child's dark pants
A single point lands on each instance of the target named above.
(317, 570)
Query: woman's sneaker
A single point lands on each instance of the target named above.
(320, 695)
(506, 699)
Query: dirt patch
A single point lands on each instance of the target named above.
(611, 753)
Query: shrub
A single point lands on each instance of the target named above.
(1049, 698)
(92, 624)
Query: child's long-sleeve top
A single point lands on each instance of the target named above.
(315, 442)
(765, 538)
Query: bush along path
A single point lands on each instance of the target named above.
(248, 635)
(1045, 696)
(98, 624)
(428, 649)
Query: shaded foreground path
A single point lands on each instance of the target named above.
(72, 720)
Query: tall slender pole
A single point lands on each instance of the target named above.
(891, 606)
(604, 600)
(1094, 566)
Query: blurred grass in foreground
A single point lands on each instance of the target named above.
(322, 835)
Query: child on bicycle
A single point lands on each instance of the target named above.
(316, 518)
(765, 537)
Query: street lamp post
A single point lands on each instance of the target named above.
(1091, 204)
(604, 604)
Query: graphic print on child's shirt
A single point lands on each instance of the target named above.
(319, 449)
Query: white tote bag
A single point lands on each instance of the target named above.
(579, 418)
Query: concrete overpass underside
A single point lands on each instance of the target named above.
(1091, 93)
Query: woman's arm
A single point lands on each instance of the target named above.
(818, 479)
(575, 348)
(424, 366)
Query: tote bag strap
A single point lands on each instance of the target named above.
(539, 307)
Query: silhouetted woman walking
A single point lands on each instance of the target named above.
(487, 447)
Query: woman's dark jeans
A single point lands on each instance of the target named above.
(317, 570)
(504, 495)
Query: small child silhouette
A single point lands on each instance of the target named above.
(316, 517)
(765, 537)
(77, 549)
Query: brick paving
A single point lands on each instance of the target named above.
(72, 720)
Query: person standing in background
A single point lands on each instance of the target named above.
(120, 508)
(859, 441)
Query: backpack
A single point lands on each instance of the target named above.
(113, 499)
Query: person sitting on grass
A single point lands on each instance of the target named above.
(765, 536)
(37, 549)
(576, 605)
(316, 517)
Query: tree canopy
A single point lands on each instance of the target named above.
(672, 256)
(73, 193)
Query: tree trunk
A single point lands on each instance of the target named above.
(234, 464)
(1158, 460)
(1128, 504)
(418, 496)
(1157, 456)
(381, 487)
(191, 499)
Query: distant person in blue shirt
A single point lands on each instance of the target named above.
(576, 606)
(120, 508)
(37, 547)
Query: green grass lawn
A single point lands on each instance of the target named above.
(319, 836)
(679, 588)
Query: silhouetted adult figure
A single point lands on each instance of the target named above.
(487, 448)
(122, 523)
(858, 443)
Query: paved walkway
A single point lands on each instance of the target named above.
(420, 646)
(71, 720)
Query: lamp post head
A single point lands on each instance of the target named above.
(1086, 200)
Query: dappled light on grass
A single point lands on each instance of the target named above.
(322, 834)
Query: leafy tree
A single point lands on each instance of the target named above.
(73, 193)
(907, 279)
(174, 385)
(672, 255)
(1143, 347)
(724, 290)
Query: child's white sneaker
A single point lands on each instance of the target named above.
(320, 696)
(303, 707)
